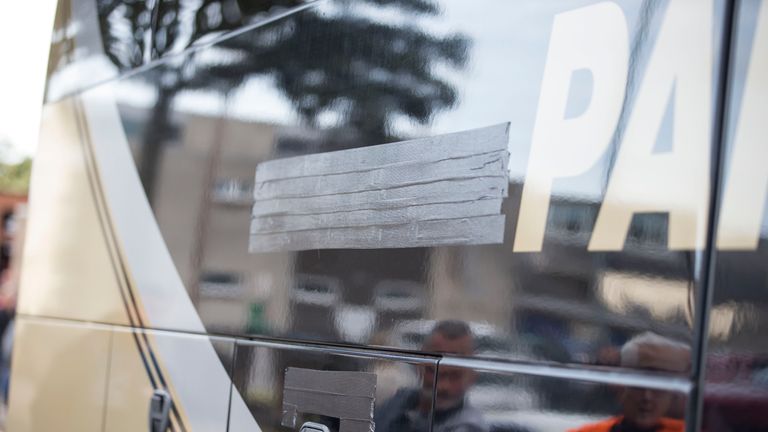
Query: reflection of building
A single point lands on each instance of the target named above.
(203, 204)
(566, 291)
(603, 290)
(206, 224)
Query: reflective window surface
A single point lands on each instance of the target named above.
(523, 188)
(491, 396)
(207, 127)
(185, 23)
(96, 40)
(736, 398)
(516, 403)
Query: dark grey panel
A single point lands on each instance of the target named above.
(287, 385)
(736, 394)
(336, 77)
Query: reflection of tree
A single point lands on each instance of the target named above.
(124, 25)
(364, 72)
(361, 71)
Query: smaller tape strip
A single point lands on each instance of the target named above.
(348, 396)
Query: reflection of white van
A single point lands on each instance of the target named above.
(489, 341)
(393, 295)
(316, 290)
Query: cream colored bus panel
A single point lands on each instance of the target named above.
(59, 377)
(64, 217)
(129, 386)
(136, 365)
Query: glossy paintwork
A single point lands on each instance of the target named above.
(260, 370)
(56, 283)
(99, 377)
(311, 84)
(736, 397)
(304, 79)
(62, 367)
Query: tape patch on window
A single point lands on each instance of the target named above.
(442, 190)
(348, 396)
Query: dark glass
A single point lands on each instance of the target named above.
(736, 396)
(338, 76)
(502, 402)
(183, 23)
(94, 41)
(260, 377)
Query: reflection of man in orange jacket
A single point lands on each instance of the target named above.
(644, 410)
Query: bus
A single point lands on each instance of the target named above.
(398, 215)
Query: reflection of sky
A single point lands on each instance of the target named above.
(501, 82)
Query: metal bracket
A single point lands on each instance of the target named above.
(159, 411)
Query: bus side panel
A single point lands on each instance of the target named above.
(59, 377)
(130, 387)
(68, 267)
(138, 368)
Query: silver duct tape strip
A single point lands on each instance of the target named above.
(415, 173)
(466, 231)
(336, 382)
(444, 190)
(348, 396)
(350, 425)
(454, 145)
(332, 405)
(363, 218)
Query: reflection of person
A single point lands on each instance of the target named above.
(408, 410)
(647, 409)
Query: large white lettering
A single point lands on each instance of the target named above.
(594, 38)
(676, 181)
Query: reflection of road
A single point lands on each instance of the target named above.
(535, 420)
(502, 398)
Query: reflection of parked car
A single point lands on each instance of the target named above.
(502, 394)
(509, 403)
(489, 341)
(317, 290)
(392, 295)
